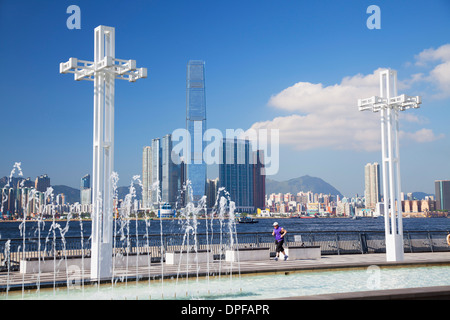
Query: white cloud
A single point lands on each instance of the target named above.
(430, 55)
(328, 116)
(440, 74)
(421, 136)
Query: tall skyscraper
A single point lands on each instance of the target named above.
(196, 126)
(85, 190)
(259, 180)
(372, 185)
(85, 182)
(42, 183)
(156, 170)
(164, 172)
(442, 188)
(170, 172)
(211, 192)
(236, 173)
(147, 177)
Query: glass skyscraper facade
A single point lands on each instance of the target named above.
(236, 173)
(85, 190)
(442, 188)
(259, 180)
(147, 177)
(170, 172)
(372, 193)
(196, 126)
(156, 170)
(163, 180)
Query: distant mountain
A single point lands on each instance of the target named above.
(71, 195)
(305, 184)
(3, 181)
(421, 195)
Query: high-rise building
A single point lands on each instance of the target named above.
(165, 179)
(156, 170)
(147, 177)
(372, 185)
(8, 202)
(42, 183)
(211, 192)
(170, 172)
(86, 182)
(442, 188)
(196, 126)
(236, 173)
(259, 180)
(85, 190)
(182, 194)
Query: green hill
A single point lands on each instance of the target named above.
(305, 184)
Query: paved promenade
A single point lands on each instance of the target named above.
(16, 280)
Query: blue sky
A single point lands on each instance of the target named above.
(261, 57)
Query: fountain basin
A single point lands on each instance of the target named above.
(247, 254)
(51, 264)
(199, 256)
(302, 253)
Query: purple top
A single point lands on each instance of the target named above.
(277, 232)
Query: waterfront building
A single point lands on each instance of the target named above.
(156, 171)
(166, 211)
(259, 180)
(147, 177)
(182, 188)
(25, 183)
(170, 181)
(442, 188)
(42, 183)
(372, 185)
(418, 207)
(236, 173)
(211, 192)
(196, 126)
(86, 196)
(8, 204)
(85, 182)
(163, 172)
(85, 190)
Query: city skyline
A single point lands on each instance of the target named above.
(294, 67)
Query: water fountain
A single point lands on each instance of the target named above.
(104, 256)
(220, 280)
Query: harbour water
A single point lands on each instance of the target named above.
(11, 230)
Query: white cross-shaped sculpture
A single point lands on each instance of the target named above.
(389, 104)
(103, 71)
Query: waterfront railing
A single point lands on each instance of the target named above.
(155, 245)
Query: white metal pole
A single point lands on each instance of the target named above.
(399, 185)
(390, 104)
(103, 71)
(391, 173)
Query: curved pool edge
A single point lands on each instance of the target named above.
(418, 293)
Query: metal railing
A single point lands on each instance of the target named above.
(330, 242)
